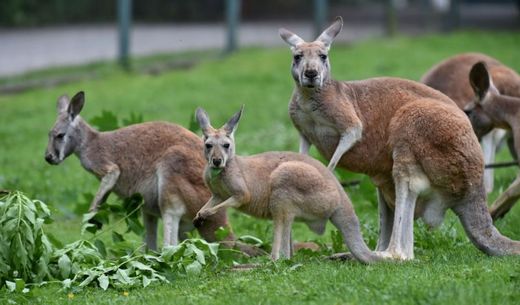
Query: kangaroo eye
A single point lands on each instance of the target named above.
(226, 145)
(60, 136)
(323, 57)
(208, 146)
(297, 57)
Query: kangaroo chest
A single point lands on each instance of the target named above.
(318, 130)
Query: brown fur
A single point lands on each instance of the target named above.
(451, 77)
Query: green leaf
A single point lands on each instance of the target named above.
(141, 266)
(19, 284)
(194, 268)
(106, 121)
(65, 265)
(44, 208)
(100, 245)
(66, 283)
(88, 280)
(198, 253)
(104, 281)
(134, 225)
(135, 118)
(117, 238)
(222, 233)
(146, 281)
(10, 285)
(252, 240)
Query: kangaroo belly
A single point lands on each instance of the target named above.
(145, 186)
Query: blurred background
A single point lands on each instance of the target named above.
(38, 34)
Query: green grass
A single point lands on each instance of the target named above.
(447, 268)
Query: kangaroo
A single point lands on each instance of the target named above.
(451, 78)
(161, 161)
(491, 109)
(282, 186)
(413, 141)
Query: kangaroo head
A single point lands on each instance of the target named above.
(480, 109)
(310, 66)
(64, 135)
(219, 144)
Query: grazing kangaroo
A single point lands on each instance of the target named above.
(282, 186)
(451, 78)
(417, 146)
(161, 161)
(492, 109)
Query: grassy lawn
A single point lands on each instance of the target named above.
(447, 268)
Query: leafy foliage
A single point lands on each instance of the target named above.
(108, 120)
(25, 249)
(27, 256)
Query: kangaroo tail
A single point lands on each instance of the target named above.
(345, 219)
(476, 220)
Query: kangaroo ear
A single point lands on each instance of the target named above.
(327, 37)
(62, 104)
(203, 119)
(479, 79)
(76, 104)
(232, 124)
(292, 39)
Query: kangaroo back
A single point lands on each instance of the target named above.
(451, 77)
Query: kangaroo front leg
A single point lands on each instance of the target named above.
(401, 241)
(346, 141)
(304, 145)
(210, 209)
(107, 183)
(199, 220)
(506, 200)
(231, 202)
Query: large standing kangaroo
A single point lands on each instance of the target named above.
(413, 141)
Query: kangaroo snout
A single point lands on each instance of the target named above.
(50, 159)
(216, 162)
(311, 74)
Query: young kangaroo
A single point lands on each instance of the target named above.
(161, 161)
(491, 109)
(451, 78)
(417, 146)
(282, 186)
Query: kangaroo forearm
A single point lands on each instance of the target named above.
(213, 201)
(304, 145)
(231, 202)
(347, 140)
(107, 184)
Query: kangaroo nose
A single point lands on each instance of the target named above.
(217, 162)
(48, 158)
(311, 74)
